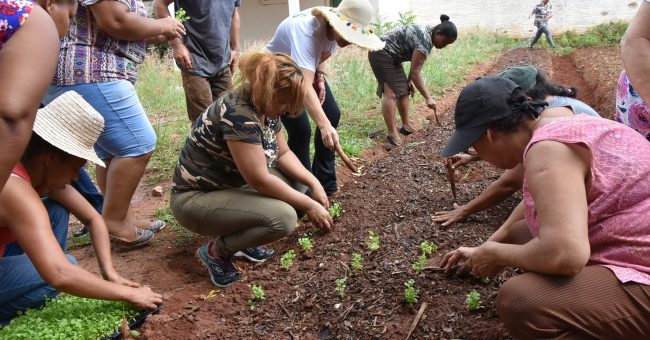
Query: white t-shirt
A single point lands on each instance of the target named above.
(304, 38)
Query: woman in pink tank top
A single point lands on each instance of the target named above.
(582, 232)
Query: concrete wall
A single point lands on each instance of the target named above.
(511, 16)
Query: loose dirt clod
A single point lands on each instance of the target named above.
(157, 191)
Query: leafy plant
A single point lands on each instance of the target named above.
(410, 293)
(69, 317)
(485, 280)
(340, 286)
(428, 248)
(373, 242)
(357, 262)
(286, 261)
(406, 18)
(418, 265)
(181, 15)
(305, 243)
(335, 210)
(258, 296)
(473, 300)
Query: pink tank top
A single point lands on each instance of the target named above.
(6, 236)
(619, 197)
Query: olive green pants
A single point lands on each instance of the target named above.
(242, 217)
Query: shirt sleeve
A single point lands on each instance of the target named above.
(305, 48)
(237, 124)
(423, 45)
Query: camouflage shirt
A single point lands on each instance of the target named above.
(205, 162)
(402, 41)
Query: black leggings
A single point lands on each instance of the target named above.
(299, 131)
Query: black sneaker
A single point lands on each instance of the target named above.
(80, 232)
(222, 272)
(256, 254)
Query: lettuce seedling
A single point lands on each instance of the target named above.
(258, 296)
(356, 262)
(287, 259)
(410, 293)
(418, 265)
(340, 286)
(181, 15)
(306, 244)
(373, 242)
(335, 210)
(428, 248)
(473, 300)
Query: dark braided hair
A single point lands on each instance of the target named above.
(522, 109)
(446, 28)
(545, 87)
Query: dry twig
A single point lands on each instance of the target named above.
(417, 319)
(450, 176)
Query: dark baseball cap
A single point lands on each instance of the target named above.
(479, 104)
(523, 75)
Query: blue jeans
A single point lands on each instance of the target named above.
(21, 287)
(87, 189)
(543, 29)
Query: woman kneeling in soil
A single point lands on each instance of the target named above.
(406, 43)
(561, 103)
(56, 151)
(582, 233)
(236, 177)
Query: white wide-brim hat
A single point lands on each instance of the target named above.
(72, 125)
(351, 19)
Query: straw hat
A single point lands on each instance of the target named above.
(351, 20)
(72, 125)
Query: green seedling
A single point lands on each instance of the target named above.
(287, 259)
(410, 293)
(485, 280)
(335, 210)
(373, 242)
(428, 248)
(340, 286)
(418, 265)
(357, 262)
(305, 243)
(258, 296)
(181, 15)
(473, 300)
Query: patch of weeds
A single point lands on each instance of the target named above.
(410, 292)
(473, 300)
(428, 248)
(182, 235)
(69, 317)
(341, 284)
(306, 243)
(335, 210)
(373, 241)
(357, 262)
(605, 34)
(78, 242)
(257, 297)
(286, 261)
(418, 265)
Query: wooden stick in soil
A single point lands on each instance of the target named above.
(450, 176)
(417, 319)
(435, 114)
(346, 159)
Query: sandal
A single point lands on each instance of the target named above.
(391, 141)
(157, 226)
(143, 236)
(404, 131)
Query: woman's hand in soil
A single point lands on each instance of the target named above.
(463, 159)
(171, 27)
(144, 298)
(458, 257)
(483, 262)
(448, 218)
(319, 195)
(116, 278)
(319, 217)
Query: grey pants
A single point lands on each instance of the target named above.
(242, 217)
(543, 29)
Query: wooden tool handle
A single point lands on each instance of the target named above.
(346, 159)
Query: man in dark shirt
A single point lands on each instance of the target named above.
(208, 54)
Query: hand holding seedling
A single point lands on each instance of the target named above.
(478, 260)
(171, 28)
(319, 216)
(448, 218)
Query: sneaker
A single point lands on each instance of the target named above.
(255, 254)
(222, 272)
(80, 232)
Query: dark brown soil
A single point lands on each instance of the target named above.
(395, 197)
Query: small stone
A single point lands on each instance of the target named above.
(337, 306)
(157, 191)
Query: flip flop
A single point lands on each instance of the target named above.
(157, 226)
(404, 131)
(390, 141)
(143, 237)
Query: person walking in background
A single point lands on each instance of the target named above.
(406, 43)
(310, 38)
(99, 58)
(543, 12)
(633, 91)
(236, 179)
(207, 55)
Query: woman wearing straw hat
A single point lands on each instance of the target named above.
(582, 233)
(310, 38)
(64, 134)
(29, 47)
(406, 43)
(99, 59)
(236, 178)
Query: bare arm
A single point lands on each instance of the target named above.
(415, 76)
(315, 111)
(29, 59)
(22, 211)
(234, 41)
(635, 49)
(180, 52)
(116, 20)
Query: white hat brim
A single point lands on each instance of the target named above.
(52, 134)
(362, 36)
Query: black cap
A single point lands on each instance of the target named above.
(479, 104)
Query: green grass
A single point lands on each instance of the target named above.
(182, 235)
(607, 34)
